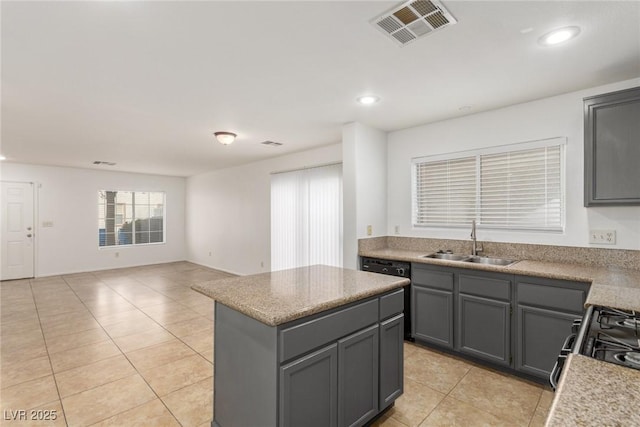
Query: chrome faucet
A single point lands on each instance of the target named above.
(474, 249)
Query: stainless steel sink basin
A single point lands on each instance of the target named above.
(470, 258)
(490, 261)
(449, 257)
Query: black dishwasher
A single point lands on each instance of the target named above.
(393, 268)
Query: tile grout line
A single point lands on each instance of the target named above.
(55, 381)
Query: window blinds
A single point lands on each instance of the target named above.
(519, 186)
(306, 217)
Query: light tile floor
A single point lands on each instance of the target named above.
(135, 347)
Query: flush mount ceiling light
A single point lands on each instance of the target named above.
(225, 138)
(2, 157)
(368, 99)
(558, 36)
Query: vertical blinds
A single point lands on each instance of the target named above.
(306, 217)
(512, 187)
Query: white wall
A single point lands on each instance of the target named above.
(68, 198)
(365, 186)
(545, 118)
(228, 221)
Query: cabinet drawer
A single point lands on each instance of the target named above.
(565, 299)
(490, 287)
(433, 279)
(392, 304)
(306, 336)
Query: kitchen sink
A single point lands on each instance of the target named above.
(470, 258)
(449, 257)
(490, 261)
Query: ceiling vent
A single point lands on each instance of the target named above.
(411, 20)
(100, 162)
(271, 143)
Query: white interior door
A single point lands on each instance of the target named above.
(17, 230)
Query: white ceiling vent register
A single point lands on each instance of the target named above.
(414, 19)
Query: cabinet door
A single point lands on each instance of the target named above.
(541, 334)
(484, 328)
(432, 315)
(611, 149)
(391, 360)
(358, 377)
(309, 390)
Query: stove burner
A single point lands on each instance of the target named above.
(629, 358)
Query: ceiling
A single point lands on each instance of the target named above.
(145, 84)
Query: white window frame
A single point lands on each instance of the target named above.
(132, 244)
(521, 146)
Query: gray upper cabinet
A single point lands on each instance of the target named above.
(612, 148)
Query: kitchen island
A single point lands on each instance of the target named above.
(308, 346)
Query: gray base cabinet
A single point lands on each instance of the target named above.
(309, 388)
(337, 368)
(484, 328)
(513, 321)
(484, 315)
(391, 360)
(357, 377)
(541, 334)
(546, 310)
(432, 305)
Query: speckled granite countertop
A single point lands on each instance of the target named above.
(596, 393)
(282, 296)
(591, 392)
(611, 287)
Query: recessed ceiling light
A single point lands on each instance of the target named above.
(2, 157)
(558, 36)
(368, 99)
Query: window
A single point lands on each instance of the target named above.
(516, 187)
(306, 217)
(130, 218)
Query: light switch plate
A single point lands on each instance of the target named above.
(602, 237)
(369, 230)
(47, 223)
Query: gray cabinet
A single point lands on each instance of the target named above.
(483, 326)
(432, 305)
(341, 367)
(357, 377)
(514, 321)
(612, 148)
(546, 309)
(308, 391)
(391, 360)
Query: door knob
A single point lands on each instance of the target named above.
(29, 235)
(28, 228)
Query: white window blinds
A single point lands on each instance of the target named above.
(518, 187)
(445, 192)
(306, 217)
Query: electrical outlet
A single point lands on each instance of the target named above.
(602, 237)
(117, 254)
(397, 229)
(209, 253)
(261, 264)
(369, 230)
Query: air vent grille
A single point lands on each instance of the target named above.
(271, 143)
(413, 19)
(102, 163)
